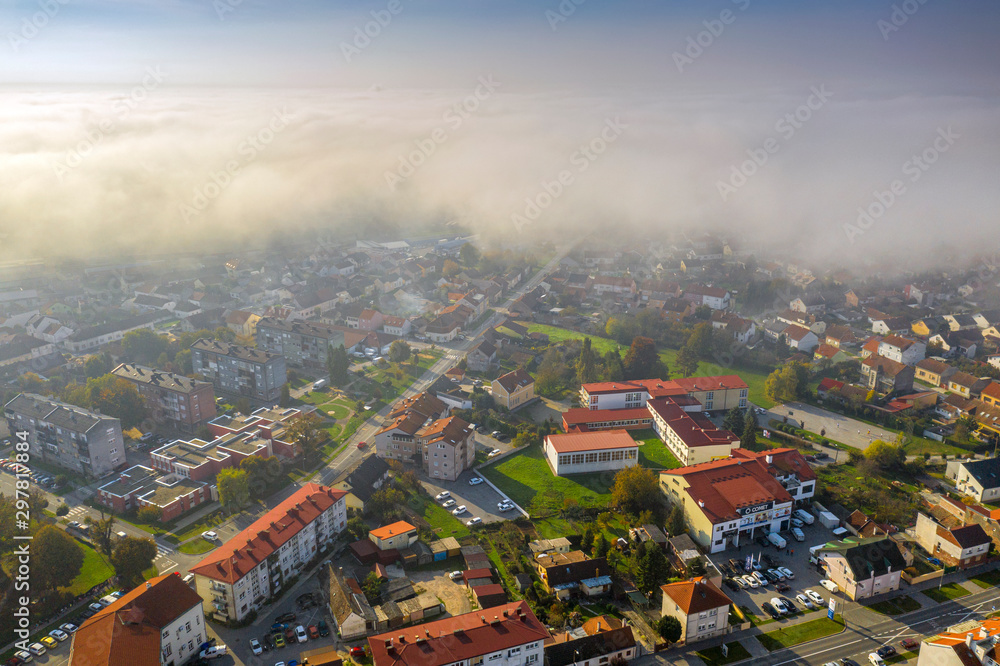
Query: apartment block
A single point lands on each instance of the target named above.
(240, 371)
(172, 400)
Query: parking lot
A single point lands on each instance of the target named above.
(480, 500)
(795, 557)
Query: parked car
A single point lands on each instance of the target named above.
(36, 649)
(796, 522)
(830, 585)
(290, 636)
(475, 521)
(786, 572)
(459, 510)
(210, 535)
(909, 644)
(324, 629)
(362, 445)
(49, 642)
(455, 575)
(475, 481)
(848, 662)
(59, 635)
(285, 617)
(313, 632)
(450, 503)
(256, 647)
(732, 583)
(875, 660)
(214, 652)
(815, 596)
(444, 494)
(805, 601)
(300, 634)
(494, 453)
(778, 606)
(23, 655)
(95, 606)
(69, 627)
(751, 581)
(886, 651)
(761, 578)
(762, 541)
(279, 640)
(782, 587)
(770, 610)
(358, 652)
(798, 534)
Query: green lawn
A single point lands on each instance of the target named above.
(527, 479)
(197, 547)
(440, 519)
(653, 453)
(338, 409)
(947, 592)
(800, 633)
(211, 520)
(896, 606)
(95, 571)
(713, 656)
(988, 579)
(754, 379)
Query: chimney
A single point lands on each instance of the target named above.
(148, 585)
(769, 458)
(968, 640)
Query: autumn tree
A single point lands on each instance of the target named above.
(305, 432)
(149, 514)
(885, 455)
(686, 363)
(234, 489)
(635, 489)
(102, 531)
(787, 383)
(642, 361)
(399, 351)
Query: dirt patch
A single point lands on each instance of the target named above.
(454, 595)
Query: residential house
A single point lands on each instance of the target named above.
(962, 547)
(514, 389)
(970, 643)
(481, 356)
(86, 339)
(174, 400)
(716, 298)
(448, 448)
(619, 286)
(398, 326)
(967, 385)
(742, 330)
(809, 303)
(863, 568)
(884, 375)
(370, 320)
(800, 338)
(397, 439)
(47, 328)
(599, 641)
(830, 353)
(701, 608)
(890, 325)
(564, 573)
(363, 481)
(352, 615)
(160, 622)
(934, 372)
(398, 535)
(902, 350)
(978, 479)
(242, 322)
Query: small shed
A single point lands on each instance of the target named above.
(522, 581)
(475, 577)
(476, 558)
(445, 548)
(488, 596)
(327, 656)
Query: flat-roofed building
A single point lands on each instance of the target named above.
(582, 452)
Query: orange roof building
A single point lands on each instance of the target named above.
(581, 452)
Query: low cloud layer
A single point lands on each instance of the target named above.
(156, 169)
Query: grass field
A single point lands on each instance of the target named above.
(754, 379)
(896, 606)
(440, 519)
(988, 579)
(653, 453)
(94, 571)
(947, 592)
(713, 656)
(527, 479)
(197, 547)
(800, 633)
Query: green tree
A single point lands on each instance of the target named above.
(234, 489)
(601, 546)
(130, 558)
(113, 396)
(733, 421)
(621, 328)
(356, 529)
(635, 489)
(652, 569)
(586, 363)
(614, 370)
(261, 472)
(550, 373)
(337, 363)
(102, 532)
(748, 434)
(305, 432)
(587, 540)
(97, 365)
(143, 345)
(182, 362)
(669, 628)
(642, 361)
(386, 503)
(372, 587)
(701, 339)
(787, 383)
(399, 351)
(675, 521)
(56, 558)
(686, 362)
(703, 312)
(286, 395)
(62, 509)
(469, 255)
(224, 334)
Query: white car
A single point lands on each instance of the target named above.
(23, 655)
(475, 481)
(450, 503)
(494, 453)
(805, 601)
(95, 606)
(455, 575)
(255, 646)
(507, 507)
(815, 596)
(779, 605)
(788, 573)
(444, 494)
(69, 627)
(59, 635)
(300, 634)
(830, 585)
(761, 578)
(214, 652)
(36, 649)
(875, 660)
(459, 510)
(751, 581)
(210, 535)
(740, 583)
(120, 535)
(475, 521)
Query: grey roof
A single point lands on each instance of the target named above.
(308, 328)
(158, 378)
(985, 472)
(57, 413)
(122, 325)
(363, 477)
(241, 352)
(869, 557)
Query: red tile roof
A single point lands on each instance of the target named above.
(513, 380)
(458, 638)
(591, 441)
(238, 556)
(796, 332)
(128, 631)
(582, 415)
(694, 428)
(696, 595)
(657, 388)
(992, 390)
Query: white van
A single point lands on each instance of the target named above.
(805, 516)
(875, 659)
(776, 539)
(830, 585)
(840, 532)
(319, 384)
(108, 600)
(798, 534)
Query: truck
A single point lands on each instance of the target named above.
(804, 516)
(319, 384)
(828, 520)
(777, 540)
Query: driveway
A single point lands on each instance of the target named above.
(481, 500)
(838, 427)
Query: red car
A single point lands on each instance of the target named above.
(290, 636)
(362, 445)
(313, 632)
(358, 652)
(909, 643)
